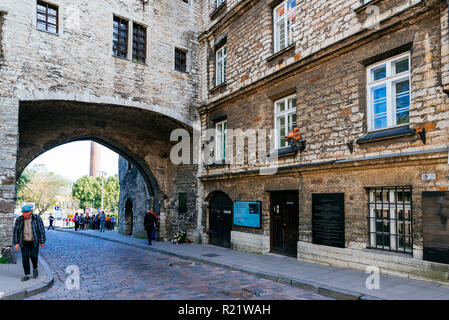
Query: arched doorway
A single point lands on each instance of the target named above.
(220, 219)
(129, 217)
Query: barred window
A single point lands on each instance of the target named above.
(47, 17)
(180, 60)
(120, 38)
(390, 218)
(139, 43)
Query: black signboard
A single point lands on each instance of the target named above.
(436, 226)
(328, 219)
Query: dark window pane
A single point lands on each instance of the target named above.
(47, 17)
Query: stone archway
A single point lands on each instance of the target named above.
(142, 137)
(128, 217)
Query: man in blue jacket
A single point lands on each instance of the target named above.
(29, 233)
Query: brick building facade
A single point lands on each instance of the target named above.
(366, 84)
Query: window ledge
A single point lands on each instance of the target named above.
(49, 32)
(213, 14)
(217, 164)
(366, 5)
(120, 57)
(279, 53)
(221, 85)
(391, 133)
(283, 152)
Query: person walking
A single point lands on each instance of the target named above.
(81, 222)
(97, 222)
(108, 223)
(112, 222)
(156, 226)
(148, 223)
(51, 219)
(29, 233)
(102, 221)
(77, 221)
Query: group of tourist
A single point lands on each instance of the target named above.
(100, 222)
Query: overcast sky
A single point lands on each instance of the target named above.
(71, 160)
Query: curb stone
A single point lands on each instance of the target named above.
(331, 292)
(41, 287)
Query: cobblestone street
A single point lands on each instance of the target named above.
(115, 271)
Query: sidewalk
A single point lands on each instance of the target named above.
(339, 283)
(11, 288)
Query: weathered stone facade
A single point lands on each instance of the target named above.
(58, 88)
(132, 108)
(326, 70)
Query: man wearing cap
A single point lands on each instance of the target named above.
(29, 232)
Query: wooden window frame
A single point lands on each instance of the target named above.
(47, 15)
(220, 145)
(288, 29)
(120, 21)
(139, 54)
(389, 81)
(178, 61)
(221, 78)
(284, 114)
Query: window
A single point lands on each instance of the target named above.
(389, 93)
(120, 38)
(284, 16)
(139, 43)
(220, 140)
(180, 60)
(220, 67)
(284, 119)
(390, 218)
(47, 17)
(182, 204)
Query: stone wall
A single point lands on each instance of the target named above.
(75, 68)
(132, 187)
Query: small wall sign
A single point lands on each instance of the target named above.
(428, 176)
(247, 214)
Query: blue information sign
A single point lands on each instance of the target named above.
(247, 214)
(56, 208)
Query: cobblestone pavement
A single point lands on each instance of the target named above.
(114, 271)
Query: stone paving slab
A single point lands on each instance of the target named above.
(339, 283)
(11, 286)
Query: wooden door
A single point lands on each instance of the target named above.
(284, 222)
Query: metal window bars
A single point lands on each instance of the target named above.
(390, 221)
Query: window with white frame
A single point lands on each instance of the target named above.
(388, 86)
(390, 218)
(220, 140)
(284, 119)
(284, 16)
(220, 66)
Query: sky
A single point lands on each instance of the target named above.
(71, 160)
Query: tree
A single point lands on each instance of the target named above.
(87, 190)
(41, 187)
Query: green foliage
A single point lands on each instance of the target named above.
(41, 187)
(87, 190)
(4, 261)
